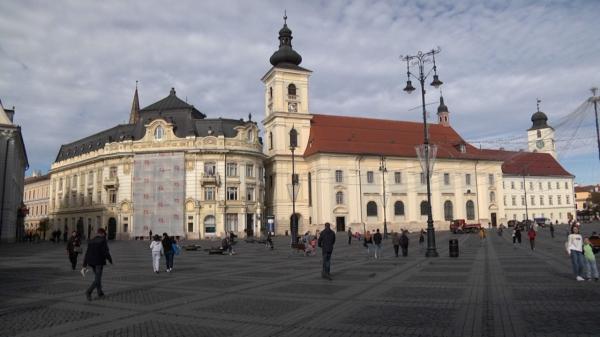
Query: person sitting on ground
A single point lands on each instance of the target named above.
(226, 246)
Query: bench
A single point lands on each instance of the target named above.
(192, 247)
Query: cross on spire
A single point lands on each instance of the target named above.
(538, 104)
(285, 16)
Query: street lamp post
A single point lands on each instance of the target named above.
(383, 170)
(294, 218)
(420, 59)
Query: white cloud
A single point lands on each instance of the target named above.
(70, 66)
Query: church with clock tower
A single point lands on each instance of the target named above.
(540, 137)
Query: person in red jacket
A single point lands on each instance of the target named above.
(531, 234)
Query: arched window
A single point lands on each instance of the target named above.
(270, 93)
(423, 207)
(492, 196)
(371, 208)
(398, 208)
(470, 210)
(448, 210)
(159, 133)
(339, 198)
(270, 140)
(209, 224)
(292, 89)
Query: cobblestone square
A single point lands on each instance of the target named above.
(492, 289)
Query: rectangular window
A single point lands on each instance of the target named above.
(231, 170)
(532, 200)
(512, 185)
(557, 185)
(90, 193)
(249, 171)
(271, 182)
(190, 223)
(210, 169)
(60, 184)
(90, 178)
(112, 196)
(468, 179)
(113, 172)
(541, 200)
(491, 179)
(339, 177)
(514, 201)
(568, 199)
(125, 224)
(370, 177)
(99, 196)
(261, 173)
(531, 185)
(231, 222)
(398, 177)
(523, 201)
(522, 185)
(566, 185)
(504, 200)
(549, 185)
(540, 185)
(550, 201)
(209, 193)
(250, 193)
(446, 179)
(559, 199)
(232, 193)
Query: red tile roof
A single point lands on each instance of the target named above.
(369, 136)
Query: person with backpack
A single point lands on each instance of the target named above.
(157, 251)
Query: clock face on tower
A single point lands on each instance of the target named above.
(539, 143)
(293, 107)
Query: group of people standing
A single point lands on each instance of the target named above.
(582, 256)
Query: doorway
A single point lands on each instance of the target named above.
(112, 228)
(340, 224)
(493, 219)
(249, 224)
(80, 227)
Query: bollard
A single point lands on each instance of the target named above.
(453, 247)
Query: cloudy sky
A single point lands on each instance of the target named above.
(70, 67)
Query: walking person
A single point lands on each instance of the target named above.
(167, 245)
(326, 242)
(482, 235)
(531, 235)
(368, 242)
(270, 241)
(516, 235)
(377, 238)
(349, 236)
(421, 238)
(552, 229)
(591, 267)
(157, 251)
(574, 247)
(404, 243)
(74, 249)
(95, 256)
(396, 242)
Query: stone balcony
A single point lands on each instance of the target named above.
(111, 183)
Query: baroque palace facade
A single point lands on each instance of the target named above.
(172, 170)
(169, 170)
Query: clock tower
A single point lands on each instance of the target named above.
(286, 109)
(540, 137)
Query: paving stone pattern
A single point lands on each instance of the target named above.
(494, 288)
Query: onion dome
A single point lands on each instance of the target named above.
(285, 54)
(539, 119)
(442, 107)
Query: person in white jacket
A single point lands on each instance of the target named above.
(157, 250)
(574, 246)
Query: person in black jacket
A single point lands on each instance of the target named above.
(167, 243)
(326, 242)
(404, 243)
(73, 249)
(95, 256)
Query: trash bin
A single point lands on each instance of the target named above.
(453, 246)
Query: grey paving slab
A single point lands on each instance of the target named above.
(494, 288)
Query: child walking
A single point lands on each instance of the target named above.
(590, 260)
(157, 250)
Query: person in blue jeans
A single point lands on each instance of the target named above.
(326, 242)
(574, 246)
(167, 243)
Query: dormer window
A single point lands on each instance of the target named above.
(159, 133)
(462, 148)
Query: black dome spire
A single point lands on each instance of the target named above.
(442, 107)
(539, 119)
(285, 54)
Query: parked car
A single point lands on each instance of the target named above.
(461, 226)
